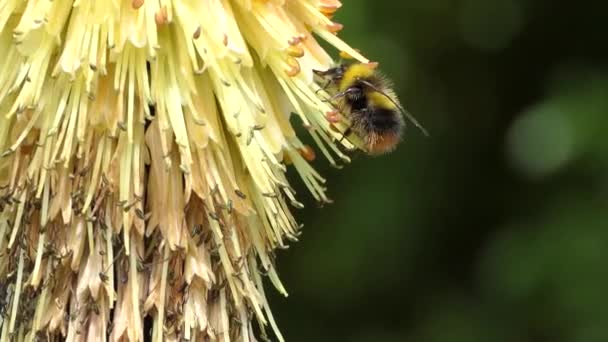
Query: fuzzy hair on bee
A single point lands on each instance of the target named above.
(367, 98)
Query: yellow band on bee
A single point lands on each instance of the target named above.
(380, 100)
(357, 71)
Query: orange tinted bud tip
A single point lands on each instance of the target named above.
(225, 40)
(335, 27)
(330, 4)
(307, 153)
(328, 10)
(160, 17)
(372, 65)
(333, 116)
(136, 4)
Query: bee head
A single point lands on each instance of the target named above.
(335, 74)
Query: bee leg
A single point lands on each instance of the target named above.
(323, 87)
(346, 133)
(339, 95)
(344, 93)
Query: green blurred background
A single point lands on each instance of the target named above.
(495, 228)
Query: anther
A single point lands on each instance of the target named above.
(294, 67)
(197, 33)
(240, 194)
(295, 51)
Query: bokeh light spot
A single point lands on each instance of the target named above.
(540, 142)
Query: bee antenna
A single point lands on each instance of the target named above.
(405, 112)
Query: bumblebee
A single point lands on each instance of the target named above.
(368, 100)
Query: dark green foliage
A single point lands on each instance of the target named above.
(495, 228)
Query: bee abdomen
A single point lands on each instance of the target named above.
(382, 121)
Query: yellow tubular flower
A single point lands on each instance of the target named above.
(144, 146)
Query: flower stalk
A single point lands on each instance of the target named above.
(144, 147)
